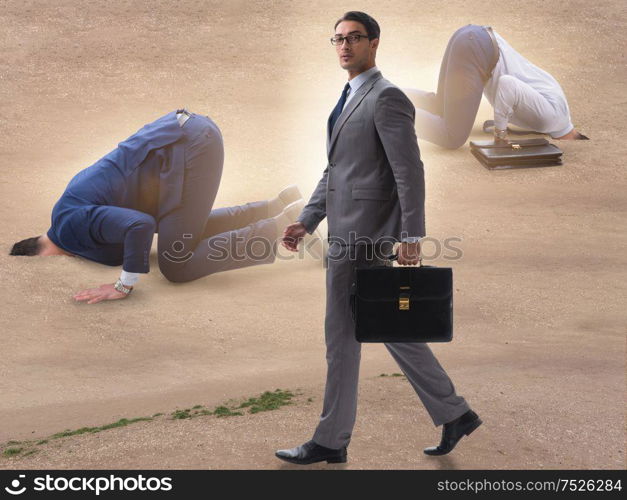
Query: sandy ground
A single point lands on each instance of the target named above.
(539, 349)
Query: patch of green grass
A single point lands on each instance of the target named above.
(392, 375)
(190, 412)
(181, 414)
(69, 432)
(11, 452)
(225, 411)
(265, 402)
(268, 401)
(123, 422)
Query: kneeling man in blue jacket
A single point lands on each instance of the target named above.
(162, 179)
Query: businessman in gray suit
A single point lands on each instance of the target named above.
(372, 193)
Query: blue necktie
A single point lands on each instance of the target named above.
(337, 111)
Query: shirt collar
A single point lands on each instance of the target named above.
(361, 78)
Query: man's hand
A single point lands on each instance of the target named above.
(408, 253)
(103, 292)
(501, 137)
(292, 235)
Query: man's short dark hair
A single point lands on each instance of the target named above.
(29, 246)
(372, 27)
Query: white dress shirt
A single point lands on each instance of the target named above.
(357, 82)
(525, 95)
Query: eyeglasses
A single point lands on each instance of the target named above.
(351, 39)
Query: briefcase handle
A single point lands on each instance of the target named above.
(394, 256)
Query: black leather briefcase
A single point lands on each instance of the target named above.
(403, 304)
(516, 154)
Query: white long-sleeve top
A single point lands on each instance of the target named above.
(525, 95)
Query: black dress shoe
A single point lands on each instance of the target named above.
(453, 431)
(310, 453)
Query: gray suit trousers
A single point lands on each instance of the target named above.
(224, 239)
(433, 386)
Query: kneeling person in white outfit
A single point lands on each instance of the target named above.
(478, 60)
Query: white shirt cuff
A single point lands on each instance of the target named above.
(129, 279)
(412, 239)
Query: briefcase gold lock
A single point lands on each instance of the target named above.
(403, 300)
(516, 146)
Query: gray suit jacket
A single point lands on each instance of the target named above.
(373, 186)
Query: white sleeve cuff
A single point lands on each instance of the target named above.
(412, 239)
(129, 279)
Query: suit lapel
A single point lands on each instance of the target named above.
(349, 108)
